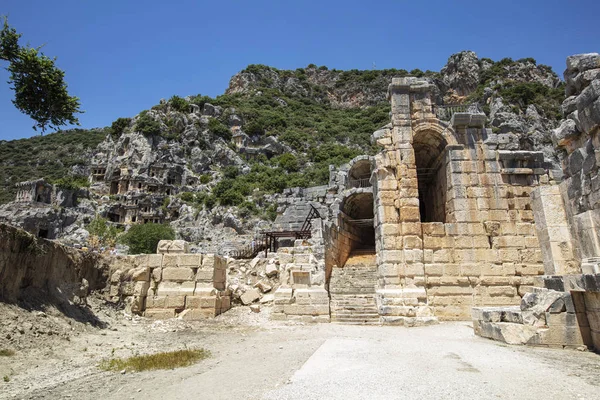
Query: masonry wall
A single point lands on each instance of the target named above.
(190, 286)
(487, 251)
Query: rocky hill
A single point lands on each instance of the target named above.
(206, 162)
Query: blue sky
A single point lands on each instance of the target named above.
(123, 56)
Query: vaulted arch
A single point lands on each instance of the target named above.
(429, 146)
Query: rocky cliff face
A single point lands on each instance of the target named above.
(213, 167)
(577, 137)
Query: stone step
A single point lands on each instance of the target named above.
(361, 315)
(352, 321)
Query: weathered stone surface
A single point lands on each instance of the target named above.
(250, 296)
(173, 247)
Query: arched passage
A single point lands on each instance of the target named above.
(358, 209)
(359, 174)
(429, 146)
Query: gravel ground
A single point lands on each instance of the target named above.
(254, 358)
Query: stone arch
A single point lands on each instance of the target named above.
(356, 222)
(359, 172)
(430, 141)
(439, 127)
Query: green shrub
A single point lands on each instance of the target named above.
(146, 125)
(117, 128)
(218, 128)
(144, 238)
(288, 162)
(72, 182)
(247, 208)
(204, 179)
(102, 233)
(179, 104)
(231, 172)
(187, 197)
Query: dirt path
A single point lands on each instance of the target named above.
(254, 358)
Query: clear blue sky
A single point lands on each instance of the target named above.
(123, 56)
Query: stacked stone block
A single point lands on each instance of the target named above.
(191, 286)
(302, 295)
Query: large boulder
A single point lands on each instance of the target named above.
(461, 73)
(588, 107)
(566, 131)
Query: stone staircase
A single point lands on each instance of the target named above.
(352, 291)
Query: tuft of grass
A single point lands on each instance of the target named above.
(166, 360)
(6, 378)
(6, 353)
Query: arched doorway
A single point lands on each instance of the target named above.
(358, 210)
(359, 174)
(429, 147)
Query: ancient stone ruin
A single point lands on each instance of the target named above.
(450, 220)
(172, 283)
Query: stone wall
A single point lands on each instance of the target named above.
(173, 284)
(42, 269)
(578, 140)
(484, 249)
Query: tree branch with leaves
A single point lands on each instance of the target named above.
(39, 86)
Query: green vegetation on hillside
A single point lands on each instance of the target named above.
(521, 94)
(50, 157)
(144, 238)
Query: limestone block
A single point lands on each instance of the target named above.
(263, 285)
(443, 256)
(205, 291)
(434, 269)
(390, 229)
(433, 228)
(496, 280)
(169, 260)
(189, 260)
(283, 296)
(205, 276)
(392, 256)
(508, 256)
(177, 302)
(213, 261)
(285, 258)
(137, 274)
(160, 313)
(135, 304)
(250, 296)
(560, 335)
(450, 290)
(408, 214)
(175, 289)
(465, 256)
(226, 303)
(318, 309)
(213, 302)
(198, 314)
(175, 274)
(271, 270)
(149, 260)
(156, 274)
(470, 269)
(452, 269)
(412, 242)
(173, 247)
(131, 288)
(156, 302)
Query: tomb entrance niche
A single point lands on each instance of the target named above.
(429, 148)
(358, 224)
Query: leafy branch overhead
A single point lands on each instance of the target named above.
(39, 86)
